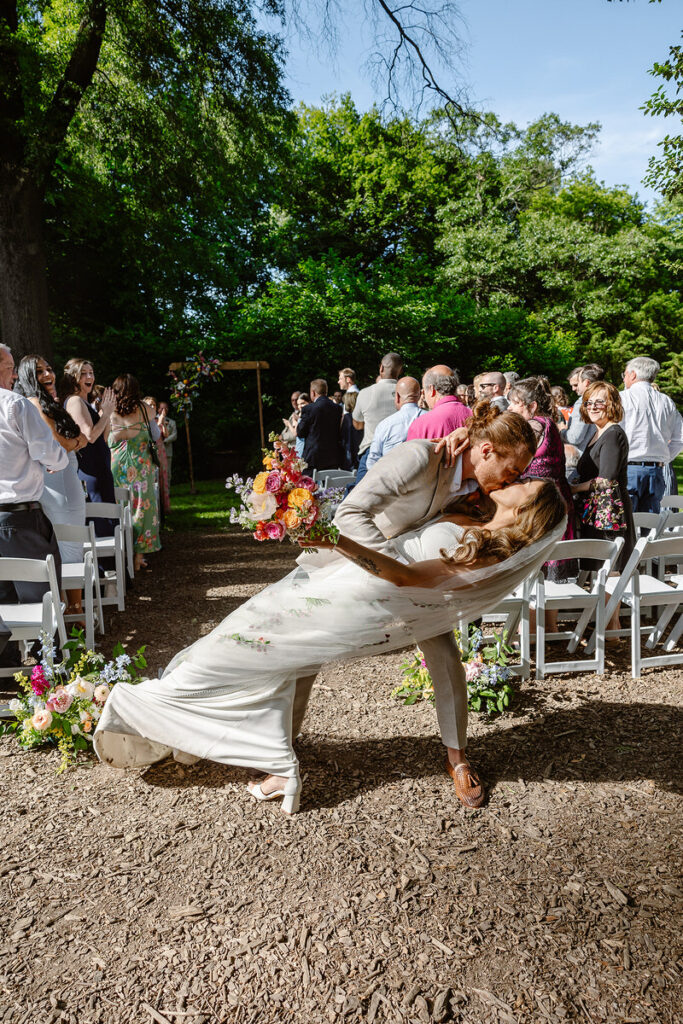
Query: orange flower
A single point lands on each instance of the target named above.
(268, 462)
(259, 484)
(298, 497)
(291, 519)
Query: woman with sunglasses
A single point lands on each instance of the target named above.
(603, 501)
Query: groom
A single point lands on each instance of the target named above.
(410, 486)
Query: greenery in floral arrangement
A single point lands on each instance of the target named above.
(62, 702)
(190, 378)
(487, 673)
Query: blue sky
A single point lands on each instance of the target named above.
(586, 60)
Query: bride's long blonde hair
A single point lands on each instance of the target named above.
(535, 518)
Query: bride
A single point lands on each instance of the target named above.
(229, 696)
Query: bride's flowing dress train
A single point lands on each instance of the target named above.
(229, 696)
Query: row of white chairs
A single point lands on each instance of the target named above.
(333, 477)
(651, 583)
(27, 621)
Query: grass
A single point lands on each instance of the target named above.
(209, 507)
(678, 470)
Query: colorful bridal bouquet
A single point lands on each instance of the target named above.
(62, 702)
(486, 672)
(283, 501)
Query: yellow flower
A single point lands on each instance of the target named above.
(259, 484)
(298, 497)
(291, 519)
(268, 462)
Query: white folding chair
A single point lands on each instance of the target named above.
(572, 598)
(511, 616)
(124, 496)
(674, 501)
(110, 547)
(27, 621)
(335, 478)
(639, 591)
(83, 576)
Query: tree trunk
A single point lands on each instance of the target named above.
(24, 324)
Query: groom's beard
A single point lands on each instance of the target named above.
(477, 504)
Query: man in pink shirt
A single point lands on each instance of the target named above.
(446, 410)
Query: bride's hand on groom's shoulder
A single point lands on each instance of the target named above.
(455, 444)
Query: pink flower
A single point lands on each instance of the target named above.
(275, 531)
(307, 482)
(39, 683)
(60, 701)
(273, 481)
(312, 516)
(473, 670)
(42, 720)
(260, 535)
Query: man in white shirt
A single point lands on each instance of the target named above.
(654, 428)
(393, 430)
(26, 445)
(347, 381)
(374, 404)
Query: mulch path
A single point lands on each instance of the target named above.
(169, 896)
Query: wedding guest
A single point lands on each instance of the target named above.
(654, 428)
(94, 459)
(471, 396)
(562, 406)
(350, 437)
(511, 378)
(347, 381)
(532, 399)
(338, 398)
(130, 440)
(446, 411)
(299, 442)
(462, 391)
(579, 432)
(164, 483)
(394, 429)
(492, 385)
(320, 427)
(374, 404)
(26, 446)
(63, 497)
(288, 435)
(169, 434)
(603, 474)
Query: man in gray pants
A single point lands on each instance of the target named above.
(407, 488)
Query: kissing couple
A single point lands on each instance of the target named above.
(408, 565)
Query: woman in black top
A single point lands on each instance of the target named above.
(602, 472)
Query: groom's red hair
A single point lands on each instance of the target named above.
(506, 431)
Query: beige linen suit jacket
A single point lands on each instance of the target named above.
(408, 487)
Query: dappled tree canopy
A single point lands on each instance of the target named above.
(151, 160)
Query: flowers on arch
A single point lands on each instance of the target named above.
(189, 379)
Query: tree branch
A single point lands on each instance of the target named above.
(77, 76)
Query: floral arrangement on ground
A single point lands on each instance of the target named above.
(487, 673)
(283, 501)
(62, 701)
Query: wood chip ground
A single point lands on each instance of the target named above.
(169, 896)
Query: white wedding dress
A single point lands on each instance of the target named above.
(229, 696)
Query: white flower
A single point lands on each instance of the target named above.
(95, 713)
(262, 505)
(81, 688)
(75, 730)
(101, 693)
(15, 705)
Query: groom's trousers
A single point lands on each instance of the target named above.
(442, 658)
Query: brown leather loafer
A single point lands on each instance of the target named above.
(468, 787)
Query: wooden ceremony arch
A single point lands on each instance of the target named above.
(257, 365)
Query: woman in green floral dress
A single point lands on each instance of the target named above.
(132, 465)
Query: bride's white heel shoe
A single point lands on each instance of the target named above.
(291, 794)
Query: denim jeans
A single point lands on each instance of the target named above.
(646, 487)
(360, 472)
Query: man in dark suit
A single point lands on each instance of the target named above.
(319, 426)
